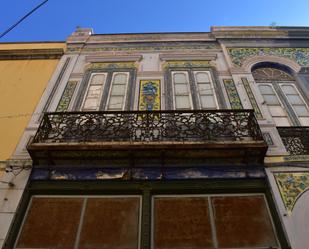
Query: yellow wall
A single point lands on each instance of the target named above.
(22, 83)
(31, 45)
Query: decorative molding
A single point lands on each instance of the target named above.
(113, 58)
(188, 57)
(149, 95)
(33, 54)
(299, 55)
(111, 65)
(186, 63)
(66, 97)
(251, 97)
(291, 186)
(232, 94)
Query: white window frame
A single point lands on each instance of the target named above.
(299, 94)
(279, 99)
(111, 87)
(212, 88)
(189, 87)
(86, 92)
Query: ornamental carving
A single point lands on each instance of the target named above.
(299, 55)
(291, 186)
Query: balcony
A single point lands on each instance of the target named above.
(168, 137)
(295, 139)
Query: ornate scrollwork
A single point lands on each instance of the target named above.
(140, 126)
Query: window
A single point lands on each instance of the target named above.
(107, 91)
(283, 99)
(118, 89)
(181, 88)
(205, 90)
(192, 89)
(275, 106)
(94, 92)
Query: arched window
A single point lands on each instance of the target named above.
(281, 95)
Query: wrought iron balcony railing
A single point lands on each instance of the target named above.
(295, 139)
(149, 126)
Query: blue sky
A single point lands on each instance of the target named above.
(59, 18)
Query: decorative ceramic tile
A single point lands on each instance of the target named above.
(186, 64)
(111, 65)
(149, 95)
(299, 55)
(252, 100)
(146, 48)
(146, 173)
(66, 97)
(232, 94)
(291, 186)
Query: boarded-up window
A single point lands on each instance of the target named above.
(81, 222)
(212, 222)
(242, 221)
(110, 223)
(51, 223)
(182, 223)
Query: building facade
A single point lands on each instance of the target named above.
(171, 140)
(25, 70)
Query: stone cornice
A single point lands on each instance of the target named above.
(147, 37)
(26, 54)
(260, 32)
